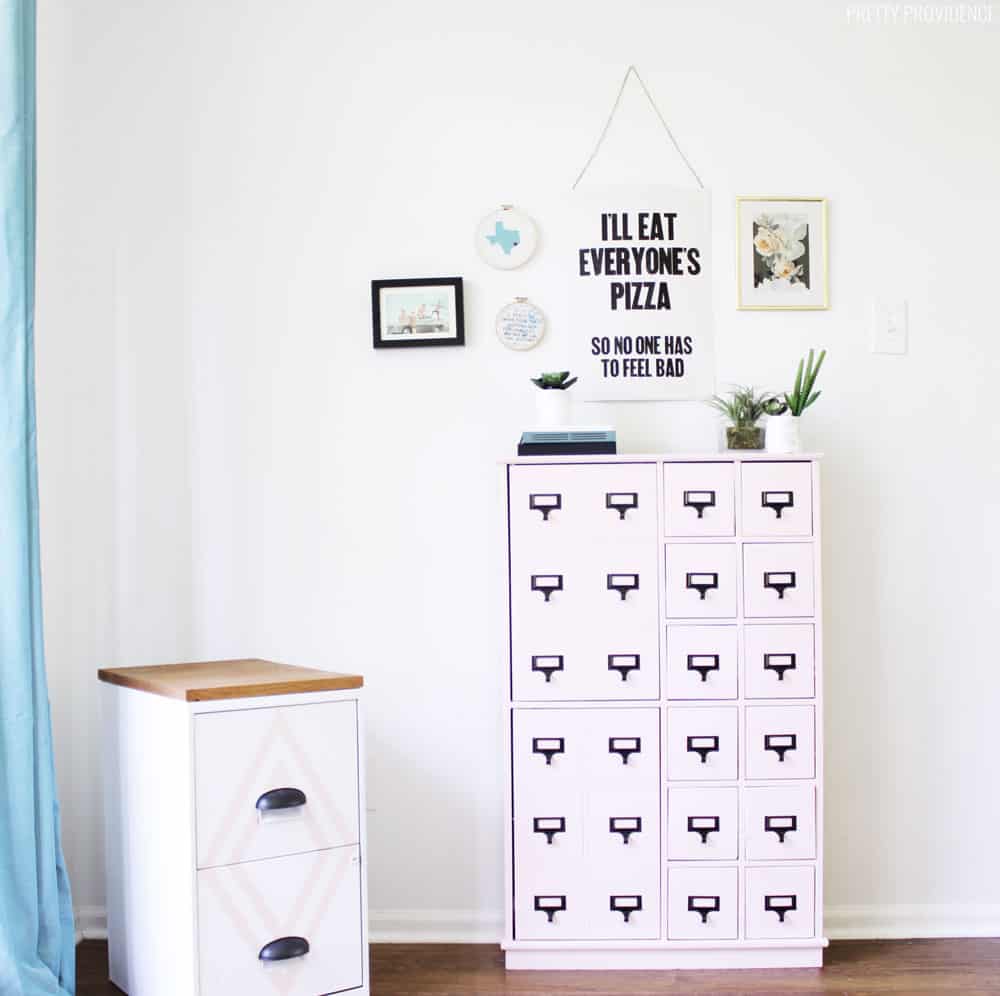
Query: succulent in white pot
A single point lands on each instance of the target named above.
(783, 435)
(552, 402)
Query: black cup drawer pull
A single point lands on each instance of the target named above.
(281, 798)
(702, 583)
(702, 746)
(626, 905)
(781, 905)
(549, 825)
(546, 584)
(780, 743)
(547, 664)
(545, 504)
(703, 905)
(777, 501)
(624, 747)
(284, 948)
(621, 501)
(623, 664)
(548, 747)
(703, 664)
(779, 663)
(781, 825)
(699, 500)
(623, 583)
(703, 826)
(550, 906)
(625, 825)
(780, 581)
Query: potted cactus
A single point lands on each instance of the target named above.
(784, 413)
(552, 399)
(743, 406)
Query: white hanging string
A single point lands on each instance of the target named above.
(632, 71)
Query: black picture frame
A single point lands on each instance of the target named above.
(404, 341)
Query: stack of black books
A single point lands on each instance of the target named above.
(567, 442)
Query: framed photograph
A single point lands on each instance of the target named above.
(781, 246)
(419, 312)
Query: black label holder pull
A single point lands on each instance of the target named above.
(549, 825)
(781, 905)
(548, 747)
(545, 504)
(625, 825)
(781, 743)
(777, 501)
(547, 664)
(779, 663)
(780, 581)
(623, 664)
(626, 905)
(781, 825)
(621, 502)
(699, 501)
(623, 583)
(703, 826)
(550, 906)
(703, 905)
(702, 582)
(702, 746)
(703, 664)
(624, 747)
(546, 584)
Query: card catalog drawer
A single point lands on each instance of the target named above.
(781, 902)
(702, 824)
(701, 743)
(780, 822)
(777, 499)
(778, 579)
(781, 741)
(702, 904)
(698, 499)
(701, 580)
(275, 781)
(701, 662)
(289, 925)
(780, 661)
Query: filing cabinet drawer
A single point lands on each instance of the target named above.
(780, 822)
(780, 661)
(275, 781)
(702, 743)
(781, 902)
(777, 499)
(552, 507)
(277, 905)
(702, 904)
(701, 580)
(702, 824)
(701, 662)
(778, 579)
(698, 499)
(781, 741)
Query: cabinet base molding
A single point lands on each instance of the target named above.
(808, 954)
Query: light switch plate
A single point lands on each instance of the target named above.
(889, 327)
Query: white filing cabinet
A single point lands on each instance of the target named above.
(234, 806)
(665, 720)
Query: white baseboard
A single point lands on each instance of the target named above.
(477, 927)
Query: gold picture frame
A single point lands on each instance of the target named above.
(776, 264)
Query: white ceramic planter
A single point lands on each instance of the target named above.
(552, 408)
(782, 434)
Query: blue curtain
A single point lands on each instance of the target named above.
(37, 953)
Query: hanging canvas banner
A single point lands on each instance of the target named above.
(641, 294)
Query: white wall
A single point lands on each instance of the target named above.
(228, 468)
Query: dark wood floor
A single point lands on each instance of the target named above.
(968, 966)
